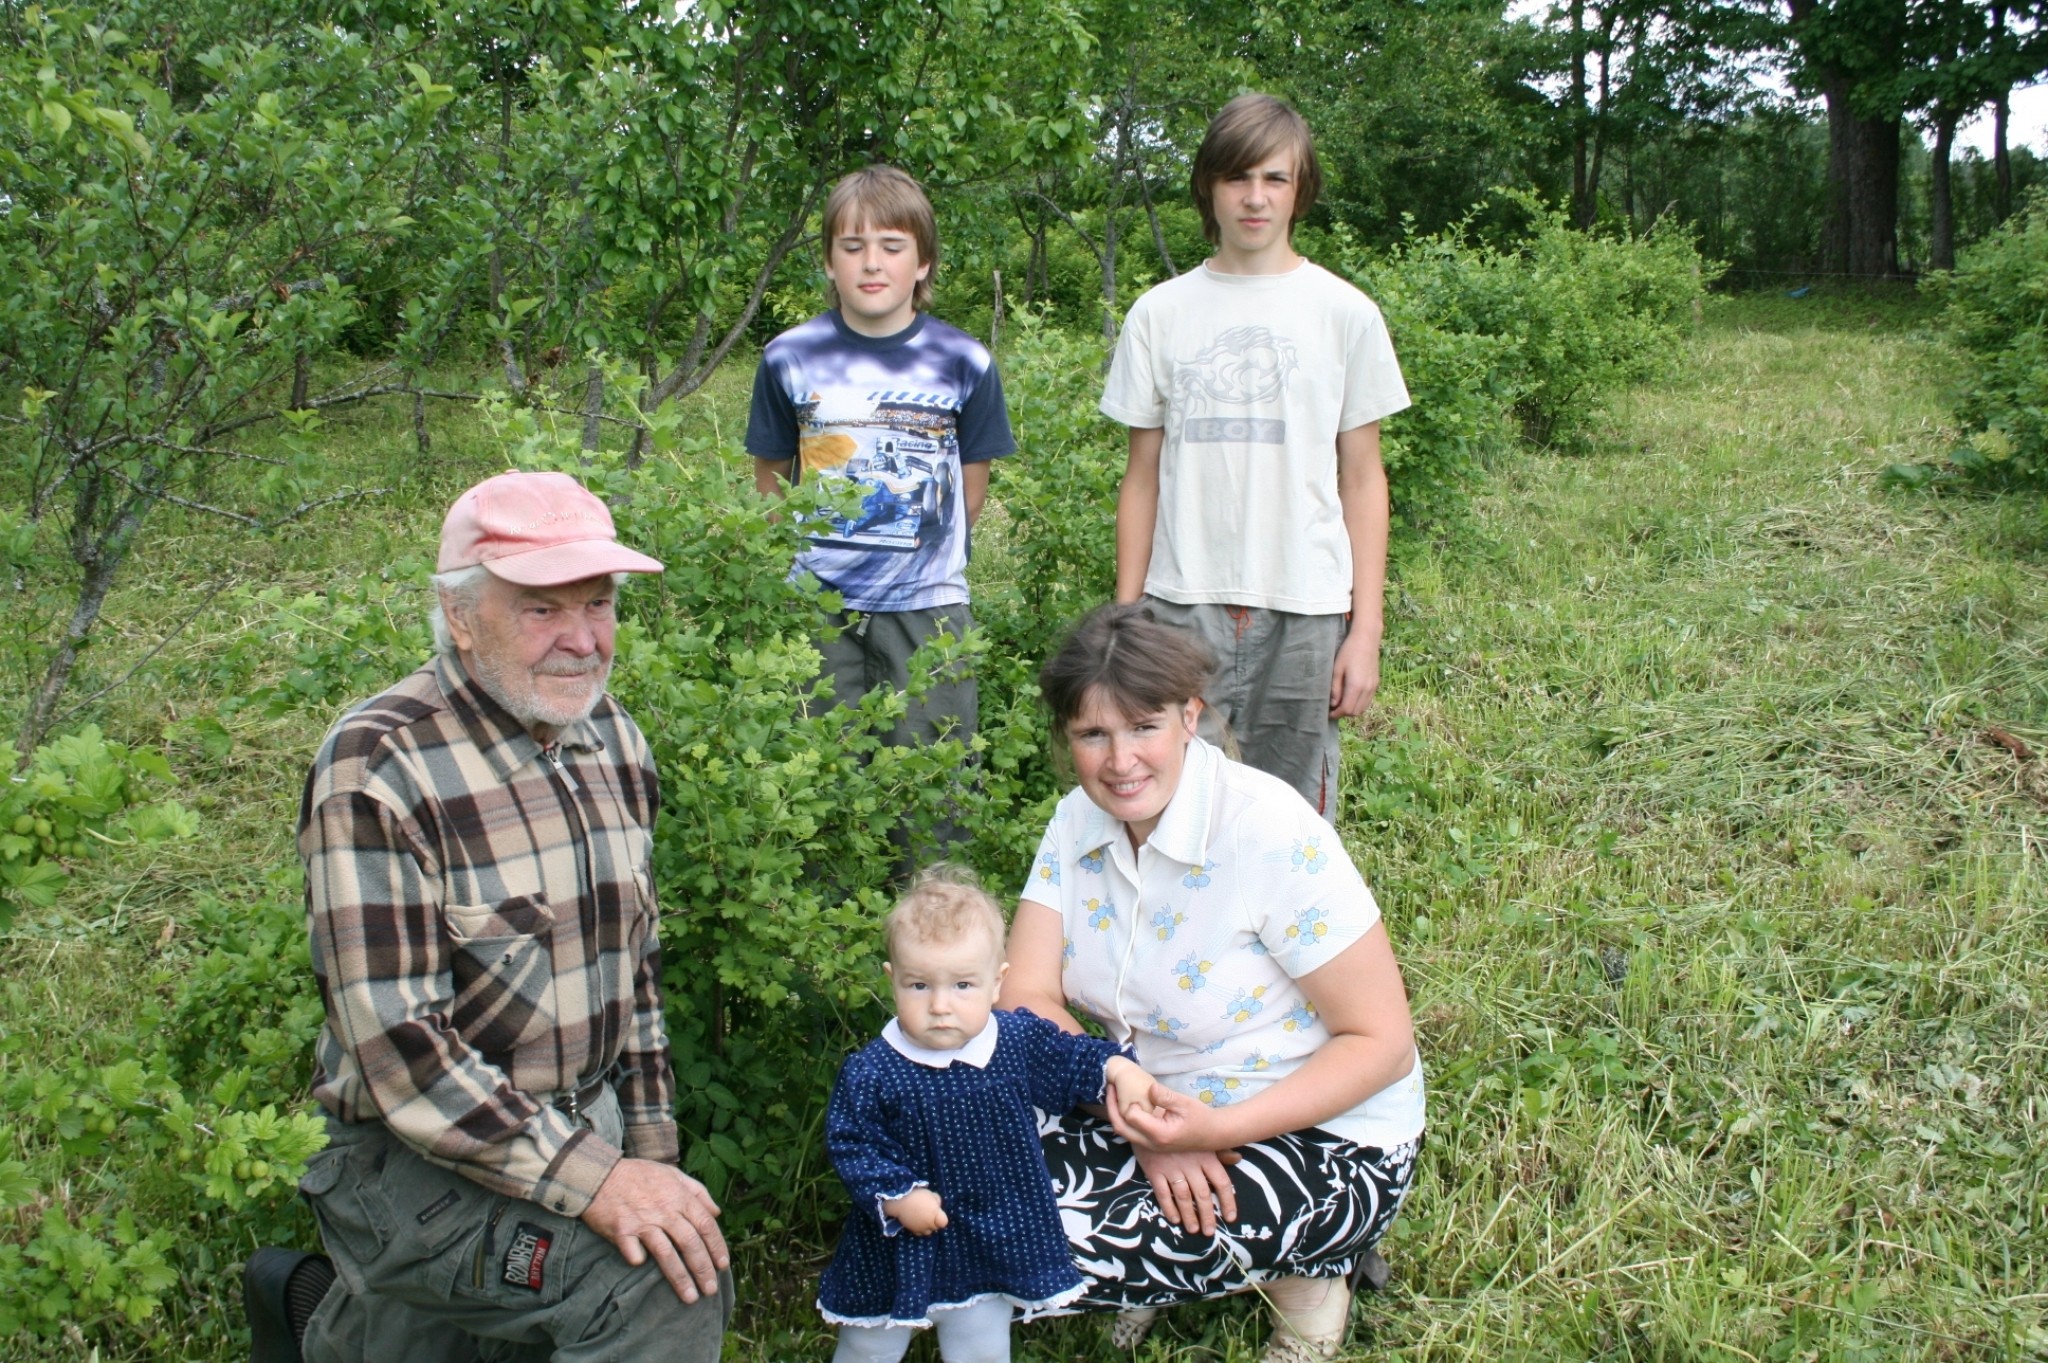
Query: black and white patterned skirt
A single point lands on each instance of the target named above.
(1309, 1203)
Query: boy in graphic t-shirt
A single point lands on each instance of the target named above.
(910, 410)
(1254, 505)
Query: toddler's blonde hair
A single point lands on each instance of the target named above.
(944, 902)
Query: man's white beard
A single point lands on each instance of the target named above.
(519, 694)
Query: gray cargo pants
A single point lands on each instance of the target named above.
(1271, 690)
(875, 651)
(433, 1268)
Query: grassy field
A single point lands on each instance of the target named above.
(1719, 886)
(1705, 797)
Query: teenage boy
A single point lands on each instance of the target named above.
(910, 410)
(1254, 505)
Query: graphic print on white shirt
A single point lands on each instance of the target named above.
(1235, 389)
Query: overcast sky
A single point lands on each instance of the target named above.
(2024, 129)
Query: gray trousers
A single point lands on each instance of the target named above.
(1271, 691)
(875, 651)
(433, 1268)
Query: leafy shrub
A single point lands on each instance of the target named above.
(1997, 311)
(1570, 316)
(1461, 381)
(76, 795)
(101, 1141)
(785, 820)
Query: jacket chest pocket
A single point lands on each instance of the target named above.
(504, 971)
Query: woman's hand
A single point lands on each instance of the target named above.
(1192, 1187)
(1175, 1123)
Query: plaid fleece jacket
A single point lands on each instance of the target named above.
(483, 932)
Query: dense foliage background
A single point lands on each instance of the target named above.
(277, 281)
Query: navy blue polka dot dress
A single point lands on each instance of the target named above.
(971, 1136)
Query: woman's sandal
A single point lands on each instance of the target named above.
(1129, 1329)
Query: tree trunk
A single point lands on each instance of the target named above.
(302, 379)
(1941, 231)
(1863, 179)
(1037, 275)
(101, 558)
(419, 425)
(515, 377)
(1158, 233)
(593, 407)
(1582, 212)
(1109, 274)
(2001, 154)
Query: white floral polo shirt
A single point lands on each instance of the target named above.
(1189, 949)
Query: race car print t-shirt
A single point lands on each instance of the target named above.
(897, 416)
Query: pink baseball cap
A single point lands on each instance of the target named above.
(535, 530)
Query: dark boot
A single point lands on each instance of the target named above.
(1370, 1273)
(280, 1290)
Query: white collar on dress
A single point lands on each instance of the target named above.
(1182, 834)
(978, 1050)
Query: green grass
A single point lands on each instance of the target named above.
(1720, 902)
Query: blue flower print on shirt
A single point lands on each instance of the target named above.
(1256, 1061)
(1100, 915)
(1198, 877)
(1259, 948)
(1192, 972)
(1217, 1090)
(1067, 949)
(1309, 855)
(1092, 862)
(1211, 1048)
(1165, 921)
(1310, 927)
(1049, 868)
(1245, 1004)
(1159, 1023)
(1297, 1018)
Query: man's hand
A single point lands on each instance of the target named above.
(1356, 677)
(648, 1208)
(919, 1211)
(1130, 1086)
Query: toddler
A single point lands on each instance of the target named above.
(931, 1128)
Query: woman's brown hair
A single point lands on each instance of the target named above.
(1248, 130)
(1129, 655)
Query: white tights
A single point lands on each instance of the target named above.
(976, 1333)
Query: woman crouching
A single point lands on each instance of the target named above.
(1202, 913)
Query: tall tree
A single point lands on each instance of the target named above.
(172, 252)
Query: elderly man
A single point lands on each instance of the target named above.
(501, 1181)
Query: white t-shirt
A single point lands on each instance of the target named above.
(1188, 950)
(1253, 377)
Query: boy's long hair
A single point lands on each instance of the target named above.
(943, 904)
(1248, 130)
(883, 198)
